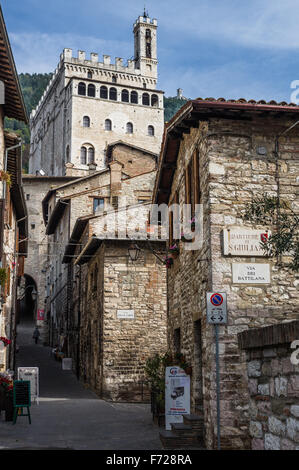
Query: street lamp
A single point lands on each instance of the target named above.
(134, 251)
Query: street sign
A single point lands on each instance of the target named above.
(216, 308)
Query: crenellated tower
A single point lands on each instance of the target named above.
(145, 33)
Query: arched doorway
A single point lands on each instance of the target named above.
(28, 301)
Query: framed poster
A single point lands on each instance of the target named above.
(40, 315)
(177, 395)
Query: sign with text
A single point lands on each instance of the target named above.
(251, 273)
(240, 241)
(21, 393)
(30, 374)
(216, 308)
(125, 314)
(177, 395)
(40, 315)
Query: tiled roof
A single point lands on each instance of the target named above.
(244, 101)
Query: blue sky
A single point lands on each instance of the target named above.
(219, 48)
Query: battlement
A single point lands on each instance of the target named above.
(93, 61)
(145, 20)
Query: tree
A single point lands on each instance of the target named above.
(277, 213)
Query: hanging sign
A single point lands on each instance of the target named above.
(30, 374)
(177, 395)
(40, 315)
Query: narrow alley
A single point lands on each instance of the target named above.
(71, 417)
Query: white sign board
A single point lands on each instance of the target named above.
(216, 308)
(177, 395)
(31, 374)
(125, 314)
(239, 241)
(251, 273)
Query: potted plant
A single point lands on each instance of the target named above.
(5, 341)
(6, 385)
(4, 176)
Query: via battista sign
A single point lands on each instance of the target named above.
(239, 241)
(251, 273)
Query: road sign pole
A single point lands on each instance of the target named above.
(217, 386)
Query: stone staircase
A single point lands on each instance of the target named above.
(186, 435)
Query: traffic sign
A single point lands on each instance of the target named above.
(216, 308)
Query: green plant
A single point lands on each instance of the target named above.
(4, 176)
(275, 212)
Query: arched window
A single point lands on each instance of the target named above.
(151, 130)
(82, 89)
(145, 99)
(125, 96)
(91, 155)
(129, 128)
(155, 100)
(148, 47)
(134, 97)
(68, 153)
(83, 156)
(86, 121)
(113, 94)
(108, 125)
(104, 92)
(91, 91)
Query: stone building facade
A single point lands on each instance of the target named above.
(273, 382)
(13, 214)
(81, 305)
(219, 154)
(90, 104)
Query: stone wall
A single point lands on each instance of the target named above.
(231, 173)
(273, 384)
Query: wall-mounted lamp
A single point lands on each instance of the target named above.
(134, 251)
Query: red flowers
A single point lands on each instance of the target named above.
(5, 340)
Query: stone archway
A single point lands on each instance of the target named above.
(28, 302)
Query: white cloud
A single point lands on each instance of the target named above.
(39, 52)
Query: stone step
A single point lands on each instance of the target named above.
(195, 421)
(170, 440)
(184, 430)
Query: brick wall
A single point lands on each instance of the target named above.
(273, 384)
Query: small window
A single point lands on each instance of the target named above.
(104, 92)
(68, 153)
(82, 89)
(86, 121)
(98, 204)
(91, 155)
(91, 91)
(125, 96)
(32, 226)
(155, 101)
(89, 74)
(114, 79)
(144, 85)
(151, 130)
(129, 128)
(145, 99)
(27, 197)
(134, 97)
(83, 157)
(113, 94)
(108, 125)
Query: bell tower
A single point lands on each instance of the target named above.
(145, 34)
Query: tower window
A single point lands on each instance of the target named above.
(86, 121)
(134, 97)
(108, 125)
(104, 92)
(114, 79)
(91, 155)
(89, 74)
(113, 94)
(91, 91)
(145, 99)
(68, 153)
(129, 128)
(83, 157)
(148, 47)
(151, 130)
(155, 100)
(82, 89)
(125, 96)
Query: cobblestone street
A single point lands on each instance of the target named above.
(72, 417)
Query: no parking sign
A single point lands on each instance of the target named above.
(216, 308)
